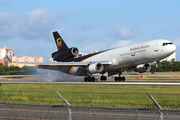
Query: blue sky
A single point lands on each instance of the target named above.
(27, 26)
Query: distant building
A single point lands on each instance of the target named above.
(94, 51)
(81, 54)
(7, 58)
(26, 59)
(6, 55)
(6, 52)
(51, 60)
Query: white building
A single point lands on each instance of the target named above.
(6, 51)
(6, 55)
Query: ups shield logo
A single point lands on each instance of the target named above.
(59, 43)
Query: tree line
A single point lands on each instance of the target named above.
(167, 66)
(12, 70)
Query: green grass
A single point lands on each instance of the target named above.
(95, 95)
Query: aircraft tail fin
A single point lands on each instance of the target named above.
(61, 45)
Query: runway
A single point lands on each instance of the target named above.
(167, 80)
(96, 83)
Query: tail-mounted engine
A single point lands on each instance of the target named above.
(95, 68)
(65, 55)
(143, 68)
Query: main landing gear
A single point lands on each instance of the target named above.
(103, 78)
(92, 79)
(89, 79)
(119, 78)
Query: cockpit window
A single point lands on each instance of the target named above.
(164, 44)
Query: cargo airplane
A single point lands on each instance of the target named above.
(111, 61)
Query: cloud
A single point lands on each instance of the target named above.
(157, 33)
(123, 33)
(38, 23)
(84, 27)
(81, 37)
(102, 46)
(122, 43)
(3, 3)
(177, 41)
(92, 48)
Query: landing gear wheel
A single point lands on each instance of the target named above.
(116, 79)
(85, 79)
(93, 79)
(89, 79)
(119, 78)
(123, 79)
(103, 78)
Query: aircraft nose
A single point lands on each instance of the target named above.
(172, 48)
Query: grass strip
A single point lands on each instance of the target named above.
(92, 95)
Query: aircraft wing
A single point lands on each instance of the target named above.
(56, 63)
(65, 64)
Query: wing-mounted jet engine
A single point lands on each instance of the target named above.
(143, 68)
(64, 54)
(95, 68)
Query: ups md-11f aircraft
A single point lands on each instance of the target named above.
(112, 61)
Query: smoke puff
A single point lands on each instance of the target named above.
(57, 76)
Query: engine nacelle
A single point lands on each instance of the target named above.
(65, 55)
(143, 68)
(95, 68)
